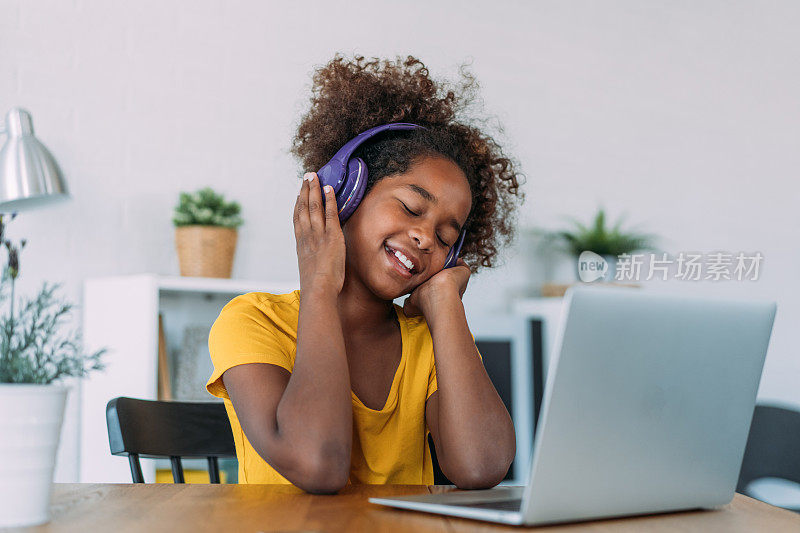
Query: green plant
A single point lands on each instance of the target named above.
(206, 208)
(31, 351)
(599, 239)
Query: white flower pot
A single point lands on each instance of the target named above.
(30, 425)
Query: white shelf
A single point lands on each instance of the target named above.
(223, 286)
(205, 285)
(121, 313)
(538, 306)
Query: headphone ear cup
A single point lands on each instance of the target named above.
(353, 189)
(452, 256)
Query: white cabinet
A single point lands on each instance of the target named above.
(121, 313)
(543, 316)
(525, 335)
(505, 346)
(546, 311)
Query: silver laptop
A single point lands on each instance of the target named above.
(646, 409)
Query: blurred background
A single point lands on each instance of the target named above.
(684, 116)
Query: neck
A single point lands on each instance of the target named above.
(360, 311)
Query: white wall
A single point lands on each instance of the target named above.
(683, 114)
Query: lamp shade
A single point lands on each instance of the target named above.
(29, 175)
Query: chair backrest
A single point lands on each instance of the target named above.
(773, 446)
(156, 429)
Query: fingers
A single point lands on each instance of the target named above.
(331, 209)
(296, 216)
(302, 221)
(309, 212)
(315, 202)
(463, 289)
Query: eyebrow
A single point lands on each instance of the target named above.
(427, 196)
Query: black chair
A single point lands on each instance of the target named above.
(157, 429)
(773, 447)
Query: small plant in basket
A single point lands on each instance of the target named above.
(206, 233)
(596, 237)
(602, 240)
(206, 208)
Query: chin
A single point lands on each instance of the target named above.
(384, 289)
(388, 294)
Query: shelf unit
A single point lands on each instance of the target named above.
(543, 316)
(121, 313)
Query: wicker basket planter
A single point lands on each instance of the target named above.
(205, 251)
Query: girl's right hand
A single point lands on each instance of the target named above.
(320, 241)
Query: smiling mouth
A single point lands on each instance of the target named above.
(398, 266)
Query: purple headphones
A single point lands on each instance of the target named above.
(348, 177)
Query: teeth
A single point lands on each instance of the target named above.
(403, 259)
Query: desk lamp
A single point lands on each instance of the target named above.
(29, 175)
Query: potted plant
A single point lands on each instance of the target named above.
(205, 233)
(608, 243)
(33, 358)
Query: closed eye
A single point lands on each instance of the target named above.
(416, 215)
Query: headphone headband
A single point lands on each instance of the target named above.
(335, 172)
(347, 150)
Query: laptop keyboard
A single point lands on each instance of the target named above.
(502, 505)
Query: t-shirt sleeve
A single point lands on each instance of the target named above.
(433, 385)
(243, 333)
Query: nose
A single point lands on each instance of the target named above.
(423, 238)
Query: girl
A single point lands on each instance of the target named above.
(334, 382)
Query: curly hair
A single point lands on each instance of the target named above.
(350, 96)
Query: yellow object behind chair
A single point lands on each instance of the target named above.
(164, 475)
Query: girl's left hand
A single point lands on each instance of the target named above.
(447, 282)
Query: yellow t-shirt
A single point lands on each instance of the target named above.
(389, 445)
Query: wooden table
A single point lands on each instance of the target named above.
(91, 508)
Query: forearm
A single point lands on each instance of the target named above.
(475, 430)
(314, 416)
